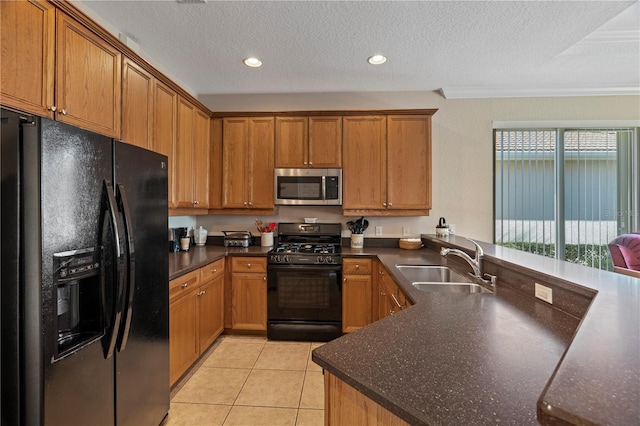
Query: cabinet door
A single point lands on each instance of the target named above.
(291, 142)
(387, 288)
(356, 302)
(88, 79)
(325, 142)
(211, 311)
(165, 119)
(364, 172)
(183, 335)
(260, 162)
(200, 175)
(27, 65)
(234, 162)
(249, 301)
(183, 155)
(409, 161)
(137, 101)
(215, 163)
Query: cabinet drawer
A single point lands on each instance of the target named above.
(356, 266)
(249, 264)
(211, 271)
(182, 285)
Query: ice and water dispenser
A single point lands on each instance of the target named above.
(79, 308)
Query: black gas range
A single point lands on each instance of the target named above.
(304, 276)
(307, 244)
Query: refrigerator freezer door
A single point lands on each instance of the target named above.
(142, 360)
(78, 380)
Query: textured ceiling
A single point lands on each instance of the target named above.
(322, 46)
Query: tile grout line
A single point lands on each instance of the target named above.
(264, 344)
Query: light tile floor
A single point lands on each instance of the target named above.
(248, 380)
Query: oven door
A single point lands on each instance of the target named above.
(304, 293)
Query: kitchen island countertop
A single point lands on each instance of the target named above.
(503, 357)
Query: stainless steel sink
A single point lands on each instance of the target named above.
(432, 274)
(450, 287)
(436, 278)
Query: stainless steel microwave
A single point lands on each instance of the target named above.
(308, 187)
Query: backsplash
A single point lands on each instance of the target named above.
(392, 227)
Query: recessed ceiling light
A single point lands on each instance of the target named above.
(377, 59)
(253, 62)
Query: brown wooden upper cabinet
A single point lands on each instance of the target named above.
(88, 78)
(137, 105)
(247, 162)
(86, 75)
(191, 159)
(165, 119)
(387, 165)
(309, 142)
(28, 48)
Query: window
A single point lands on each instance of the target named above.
(565, 192)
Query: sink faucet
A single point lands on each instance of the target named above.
(475, 263)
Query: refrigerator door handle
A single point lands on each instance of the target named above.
(120, 273)
(131, 276)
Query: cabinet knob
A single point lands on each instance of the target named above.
(250, 203)
(264, 278)
(390, 204)
(185, 285)
(195, 203)
(382, 293)
(384, 204)
(311, 163)
(357, 266)
(245, 203)
(344, 279)
(63, 111)
(52, 108)
(214, 270)
(305, 163)
(248, 265)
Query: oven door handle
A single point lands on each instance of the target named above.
(305, 268)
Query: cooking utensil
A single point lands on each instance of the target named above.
(359, 226)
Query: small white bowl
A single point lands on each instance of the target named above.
(310, 219)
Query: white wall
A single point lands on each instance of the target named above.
(462, 149)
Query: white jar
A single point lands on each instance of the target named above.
(266, 239)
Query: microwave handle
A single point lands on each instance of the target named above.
(324, 187)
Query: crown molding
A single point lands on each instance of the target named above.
(497, 92)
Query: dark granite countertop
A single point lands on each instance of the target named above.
(503, 357)
(183, 262)
(488, 358)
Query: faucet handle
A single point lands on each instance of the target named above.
(492, 279)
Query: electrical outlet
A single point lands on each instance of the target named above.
(405, 231)
(378, 230)
(544, 293)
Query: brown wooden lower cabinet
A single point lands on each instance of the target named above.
(196, 315)
(249, 293)
(391, 298)
(357, 293)
(344, 405)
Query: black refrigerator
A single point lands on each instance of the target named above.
(84, 290)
